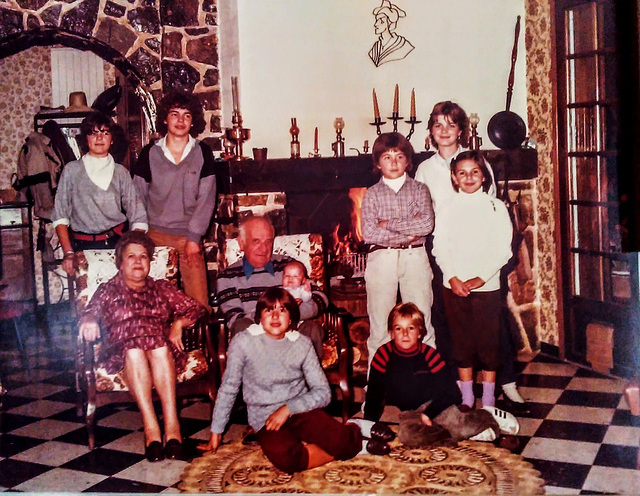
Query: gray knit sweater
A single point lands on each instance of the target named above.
(272, 373)
(91, 209)
(180, 198)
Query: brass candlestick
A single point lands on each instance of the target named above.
(475, 141)
(294, 130)
(316, 148)
(338, 145)
(237, 135)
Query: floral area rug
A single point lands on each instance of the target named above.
(469, 468)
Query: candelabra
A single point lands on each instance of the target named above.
(395, 114)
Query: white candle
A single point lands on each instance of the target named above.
(234, 93)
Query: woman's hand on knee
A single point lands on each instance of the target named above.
(89, 329)
(215, 440)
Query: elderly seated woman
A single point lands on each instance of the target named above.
(141, 321)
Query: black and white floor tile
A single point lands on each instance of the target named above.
(580, 434)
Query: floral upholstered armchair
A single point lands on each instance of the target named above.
(338, 354)
(95, 386)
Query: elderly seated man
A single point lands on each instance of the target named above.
(240, 285)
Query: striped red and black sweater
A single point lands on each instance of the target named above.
(409, 379)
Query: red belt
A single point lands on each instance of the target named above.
(373, 248)
(114, 231)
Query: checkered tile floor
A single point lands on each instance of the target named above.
(580, 434)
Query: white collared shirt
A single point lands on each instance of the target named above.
(257, 329)
(167, 153)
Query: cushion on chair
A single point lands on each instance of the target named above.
(306, 248)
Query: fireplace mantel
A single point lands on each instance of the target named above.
(315, 175)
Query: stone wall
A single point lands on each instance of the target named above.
(158, 44)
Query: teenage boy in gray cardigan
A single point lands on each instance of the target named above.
(175, 178)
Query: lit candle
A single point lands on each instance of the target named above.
(413, 104)
(376, 109)
(315, 140)
(395, 101)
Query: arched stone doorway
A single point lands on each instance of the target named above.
(159, 45)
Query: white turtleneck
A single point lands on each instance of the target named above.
(472, 239)
(395, 184)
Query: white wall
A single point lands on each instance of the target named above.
(309, 59)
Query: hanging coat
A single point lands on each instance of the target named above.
(38, 170)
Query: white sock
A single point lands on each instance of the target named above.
(364, 451)
(365, 426)
(511, 391)
(487, 435)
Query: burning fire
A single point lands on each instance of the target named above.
(350, 242)
(357, 195)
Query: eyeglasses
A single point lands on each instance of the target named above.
(103, 132)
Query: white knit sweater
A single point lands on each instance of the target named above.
(473, 239)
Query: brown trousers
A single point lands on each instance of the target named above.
(192, 273)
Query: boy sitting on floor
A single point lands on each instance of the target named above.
(412, 376)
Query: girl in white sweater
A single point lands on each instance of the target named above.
(472, 242)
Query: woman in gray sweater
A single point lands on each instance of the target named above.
(95, 196)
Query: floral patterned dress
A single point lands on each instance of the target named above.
(139, 318)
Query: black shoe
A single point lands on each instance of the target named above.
(249, 438)
(154, 452)
(516, 407)
(382, 433)
(173, 450)
(378, 448)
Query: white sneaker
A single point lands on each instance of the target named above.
(507, 422)
(487, 435)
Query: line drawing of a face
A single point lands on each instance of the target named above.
(381, 24)
(389, 46)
